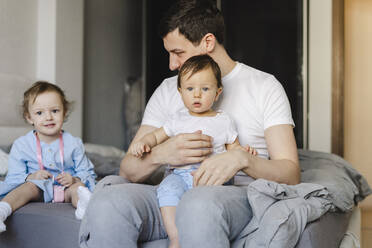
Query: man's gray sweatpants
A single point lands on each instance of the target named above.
(122, 214)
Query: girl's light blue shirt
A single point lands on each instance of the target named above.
(23, 162)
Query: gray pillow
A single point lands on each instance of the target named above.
(103, 165)
(346, 185)
(5, 148)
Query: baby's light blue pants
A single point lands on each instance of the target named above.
(172, 188)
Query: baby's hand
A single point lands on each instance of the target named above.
(65, 179)
(251, 150)
(137, 149)
(39, 175)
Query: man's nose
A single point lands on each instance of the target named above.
(174, 64)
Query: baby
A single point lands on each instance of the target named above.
(199, 83)
(47, 163)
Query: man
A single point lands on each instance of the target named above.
(121, 215)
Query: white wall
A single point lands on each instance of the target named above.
(18, 34)
(46, 40)
(41, 40)
(320, 75)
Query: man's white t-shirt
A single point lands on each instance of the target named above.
(255, 101)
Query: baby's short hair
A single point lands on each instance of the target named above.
(198, 63)
(41, 87)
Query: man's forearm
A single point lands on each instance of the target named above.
(281, 171)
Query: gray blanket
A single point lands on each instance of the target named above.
(281, 212)
(346, 186)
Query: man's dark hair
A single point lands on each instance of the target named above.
(199, 63)
(194, 19)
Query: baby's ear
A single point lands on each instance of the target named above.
(218, 93)
(28, 119)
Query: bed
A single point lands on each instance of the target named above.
(54, 224)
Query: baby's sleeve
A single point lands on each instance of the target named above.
(231, 131)
(84, 169)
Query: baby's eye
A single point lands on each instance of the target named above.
(55, 111)
(189, 88)
(38, 112)
(205, 88)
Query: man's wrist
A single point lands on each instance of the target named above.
(156, 158)
(244, 160)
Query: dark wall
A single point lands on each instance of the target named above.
(267, 35)
(157, 68)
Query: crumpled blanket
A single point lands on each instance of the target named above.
(281, 212)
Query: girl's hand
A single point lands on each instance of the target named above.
(39, 175)
(65, 179)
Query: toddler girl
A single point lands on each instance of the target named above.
(199, 83)
(47, 163)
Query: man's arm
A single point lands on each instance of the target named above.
(178, 150)
(283, 166)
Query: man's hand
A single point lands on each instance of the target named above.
(184, 149)
(39, 175)
(65, 179)
(220, 168)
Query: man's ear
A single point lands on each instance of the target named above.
(218, 93)
(209, 42)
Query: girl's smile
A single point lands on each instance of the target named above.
(46, 114)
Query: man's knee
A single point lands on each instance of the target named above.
(199, 204)
(100, 203)
(111, 202)
(110, 180)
